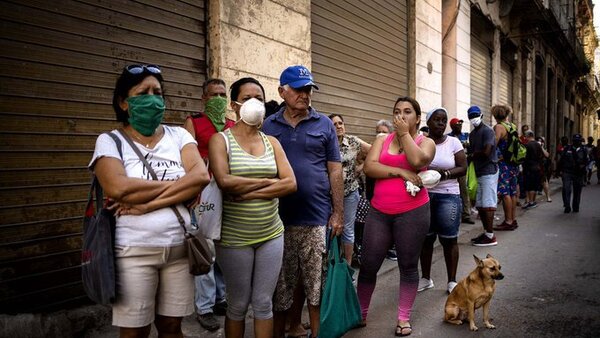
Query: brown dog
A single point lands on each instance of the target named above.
(473, 292)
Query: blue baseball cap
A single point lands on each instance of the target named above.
(473, 112)
(297, 77)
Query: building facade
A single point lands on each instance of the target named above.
(59, 62)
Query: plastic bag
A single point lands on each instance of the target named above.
(471, 181)
(430, 178)
(340, 310)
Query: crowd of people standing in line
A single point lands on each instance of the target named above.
(292, 180)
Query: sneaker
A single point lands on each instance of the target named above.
(391, 255)
(505, 226)
(533, 205)
(220, 309)
(208, 321)
(485, 241)
(474, 211)
(451, 286)
(525, 206)
(468, 220)
(425, 284)
(567, 210)
(474, 239)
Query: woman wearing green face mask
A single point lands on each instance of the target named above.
(153, 282)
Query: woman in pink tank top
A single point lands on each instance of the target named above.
(396, 217)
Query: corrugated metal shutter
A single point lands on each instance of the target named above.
(58, 64)
(359, 60)
(481, 76)
(506, 84)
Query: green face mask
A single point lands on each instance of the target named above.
(215, 110)
(145, 112)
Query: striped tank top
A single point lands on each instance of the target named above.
(254, 221)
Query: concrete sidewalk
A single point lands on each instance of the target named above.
(95, 321)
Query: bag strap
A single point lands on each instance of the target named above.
(152, 173)
(227, 145)
(95, 187)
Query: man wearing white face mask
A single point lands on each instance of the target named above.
(482, 141)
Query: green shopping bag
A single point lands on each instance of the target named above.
(471, 181)
(340, 310)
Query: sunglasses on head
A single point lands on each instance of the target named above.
(139, 69)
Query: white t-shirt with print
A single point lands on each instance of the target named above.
(158, 228)
(444, 159)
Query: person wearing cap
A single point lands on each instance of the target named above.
(482, 145)
(311, 144)
(509, 173)
(533, 169)
(572, 166)
(456, 127)
(451, 162)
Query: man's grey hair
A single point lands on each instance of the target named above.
(386, 123)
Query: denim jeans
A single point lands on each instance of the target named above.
(574, 183)
(210, 290)
(350, 205)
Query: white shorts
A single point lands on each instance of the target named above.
(151, 281)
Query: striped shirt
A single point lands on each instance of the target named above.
(253, 221)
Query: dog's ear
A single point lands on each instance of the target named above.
(478, 261)
(488, 256)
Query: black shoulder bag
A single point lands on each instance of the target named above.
(200, 254)
(98, 271)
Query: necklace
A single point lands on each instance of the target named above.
(147, 145)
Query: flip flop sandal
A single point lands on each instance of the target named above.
(400, 329)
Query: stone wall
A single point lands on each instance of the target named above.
(257, 38)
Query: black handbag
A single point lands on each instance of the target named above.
(200, 252)
(98, 273)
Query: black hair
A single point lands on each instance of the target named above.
(271, 108)
(235, 87)
(208, 82)
(125, 82)
(412, 101)
(336, 115)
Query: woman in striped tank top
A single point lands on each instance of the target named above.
(252, 171)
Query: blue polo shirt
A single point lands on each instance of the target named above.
(308, 147)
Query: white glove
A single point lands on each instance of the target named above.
(411, 188)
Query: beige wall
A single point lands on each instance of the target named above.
(257, 39)
(428, 30)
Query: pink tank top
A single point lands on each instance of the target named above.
(390, 195)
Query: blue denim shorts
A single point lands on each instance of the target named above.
(487, 192)
(446, 211)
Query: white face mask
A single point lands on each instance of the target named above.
(475, 122)
(252, 112)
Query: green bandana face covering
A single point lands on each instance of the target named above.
(145, 112)
(215, 110)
